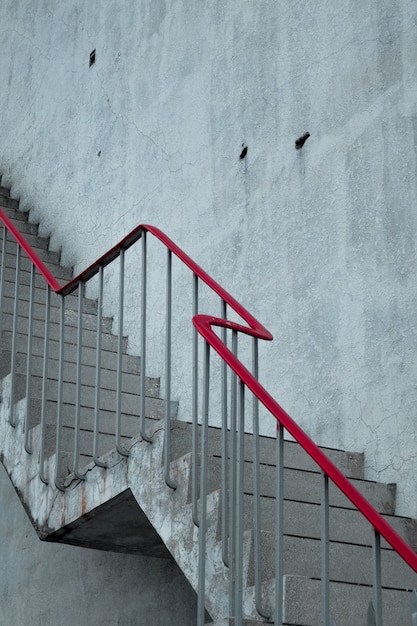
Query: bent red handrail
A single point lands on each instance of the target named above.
(204, 325)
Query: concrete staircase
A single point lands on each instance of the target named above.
(127, 506)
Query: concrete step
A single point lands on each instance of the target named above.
(130, 378)
(348, 603)
(89, 320)
(109, 344)
(302, 519)
(71, 301)
(89, 331)
(349, 563)
(350, 463)
(305, 486)
(34, 240)
(11, 205)
(130, 366)
(20, 218)
(130, 402)
(49, 257)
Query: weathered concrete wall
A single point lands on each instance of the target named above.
(318, 243)
(48, 584)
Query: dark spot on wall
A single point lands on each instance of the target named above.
(92, 57)
(301, 141)
(99, 153)
(244, 151)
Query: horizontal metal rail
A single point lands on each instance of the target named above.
(205, 326)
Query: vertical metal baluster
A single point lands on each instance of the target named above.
(376, 554)
(58, 484)
(144, 436)
(194, 449)
(45, 386)
(99, 331)
(325, 568)
(14, 336)
(233, 482)
(121, 449)
(225, 463)
(279, 533)
(168, 348)
(239, 504)
(257, 489)
(203, 491)
(81, 293)
(28, 446)
(2, 279)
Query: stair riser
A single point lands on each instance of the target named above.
(50, 259)
(89, 334)
(304, 520)
(348, 563)
(89, 320)
(106, 443)
(154, 409)
(129, 403)
(108, 358)
(130, 370)
(305, 486)
(350, 463)
(109, 343)
(39, 297)
(130, 381)
(35, 242)
(348, 606)
(10, 206)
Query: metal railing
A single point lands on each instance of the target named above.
(237, 382)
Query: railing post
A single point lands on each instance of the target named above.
(194, 440)
(224, 437)
(144, 272)
(97, 394)
(27, 444)
(325, 585)
(58, 484)
(168, 349)
(376, 556)
(279, 528)
(14, 336)
(81, 292)
(257, 489)
(120, 449)
(239, 504)
(202, 532)
(44, 403)
(233, 482)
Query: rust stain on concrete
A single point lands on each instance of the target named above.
(83, 501)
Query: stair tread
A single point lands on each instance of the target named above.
(350, 534)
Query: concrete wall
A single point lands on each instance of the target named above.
(318, 243)
(45, 584)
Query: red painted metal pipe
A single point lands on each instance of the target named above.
(204, 325)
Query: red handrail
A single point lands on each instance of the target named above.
(204, 325)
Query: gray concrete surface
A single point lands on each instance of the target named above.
(45, 584)
(318, 242)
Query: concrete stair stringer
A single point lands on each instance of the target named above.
(53, 512)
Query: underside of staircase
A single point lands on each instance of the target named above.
(123, 503)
